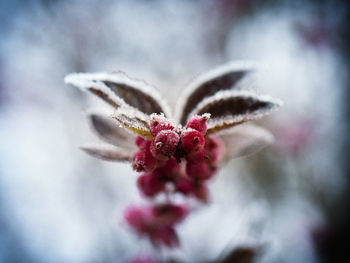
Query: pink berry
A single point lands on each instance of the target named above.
(138, 218)
(196, 157)
(213, 149)
(164, 144)
(198, 171)
(169, 170)
(198, 123)
(146, 222)
(139, 141)
(184, 185)
(150, 184)
(169, 214)
(192, 141)
(143, 160)
(201, 192)
(159, 123)
(165, 236)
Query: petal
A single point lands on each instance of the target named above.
(131, 92)
(244, 140)
(109, 131)
(224, 77)
(107, 153)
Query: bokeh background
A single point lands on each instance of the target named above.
(288, 203)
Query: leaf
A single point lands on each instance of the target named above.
(221, 78)
(244, 140)
(230, 108)
(109, 131)
(131, 92)
(107, 153)
(95, 87)
(134, 121)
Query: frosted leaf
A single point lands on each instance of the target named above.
(109, 131)
(133, 121)
(135, 93)
(244, 140)
(221, 78)
(107, 153)
(95, 87)
(230, 108)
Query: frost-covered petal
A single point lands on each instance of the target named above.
(221, 78)
(244, 140)
(107, 152)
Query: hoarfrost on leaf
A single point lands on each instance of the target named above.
(107, 152)
(224, 77)
(134, 121)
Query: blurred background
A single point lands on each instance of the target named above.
(288, 203)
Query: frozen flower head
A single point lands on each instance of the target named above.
(175, 154)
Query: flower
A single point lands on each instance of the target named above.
(175, 155)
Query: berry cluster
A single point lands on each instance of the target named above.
(157, 222)
(175, 161)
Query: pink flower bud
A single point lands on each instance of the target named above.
(198, 171)
(164, 144)
(150, 184)
(192, 141)
(198, 123)
(159, 123)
